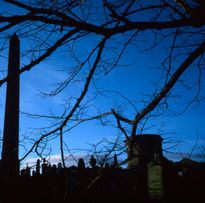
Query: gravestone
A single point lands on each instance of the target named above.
(107, 165)
(59, 170)
(155, 179)
(44, 167)
(53, 171)
(38, 167)
(92, 161)
(115, 160)
(147, 156)
(81, 163)
(33, 173)
(26, 172)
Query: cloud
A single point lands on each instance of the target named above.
(70, 160)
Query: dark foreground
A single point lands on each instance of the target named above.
(182, 182)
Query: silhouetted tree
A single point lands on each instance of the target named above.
(109, 27)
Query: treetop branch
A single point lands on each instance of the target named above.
(172, 81)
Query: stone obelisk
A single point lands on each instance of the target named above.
(10, 149)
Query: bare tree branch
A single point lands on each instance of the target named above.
(101, 46)
(151, 106)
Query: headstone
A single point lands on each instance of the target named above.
(44, 167)
(147, 156)
(53, 169)
(81, 163)
(59, 170)
(26, 172)
(155, 179)
(33, 173)
(107, 165)
(115, 160)
(49, 169)
(101, 164)
(38, 167)
(92, 161)
(23, 172)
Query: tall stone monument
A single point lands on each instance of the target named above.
(10, 150)
(147, 156)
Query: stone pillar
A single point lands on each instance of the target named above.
(115, 160)
(147, 156)
(44, 167)
(38, 167)
(10, 148)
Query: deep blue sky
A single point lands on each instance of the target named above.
(132, 80)
(129, 81)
